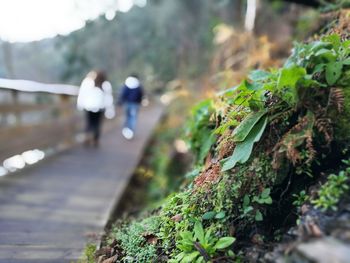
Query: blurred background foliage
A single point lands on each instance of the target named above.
(162, 41)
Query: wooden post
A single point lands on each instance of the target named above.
(67, 114)
(17, 113)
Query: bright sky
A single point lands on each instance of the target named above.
(28, 20)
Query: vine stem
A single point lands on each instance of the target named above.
(202, 251)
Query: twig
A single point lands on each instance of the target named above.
(202, 251)
(219, 259)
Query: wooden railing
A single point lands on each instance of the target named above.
(36, 116)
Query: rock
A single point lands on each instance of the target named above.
(304, 209)
(315, 230)
(325, 250)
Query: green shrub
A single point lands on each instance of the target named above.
(331, 192)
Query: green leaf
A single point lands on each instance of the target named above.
(247, 209)
(289, 77)
(180, 256)
(189, 258)
(185, 246)
(266, 192)
(259, 75)
(256, 199)
(254, 86)
(199, 232)
(207, 235)
(268, 200)
(317, 45)
(202, 106)
(246, 201)
(327, 54)
(333, 72)
(242, 131)
(220, 215)
(346, 61)
(226, 125)
(206, 145)
(319, 68)
(244, 149)
(209, 215)
(224, 242)
(287, 81)
(258, 216)
(346, 44)
(186, 235)
(334, 40)
(200, 259)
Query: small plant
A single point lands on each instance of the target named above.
(89, 254)
(335, 187)
(264, 197)
(199, 129)
(213, 214)
(199, 245)
(331, 192)
(249, 209)
(300, 198)
(311, 67)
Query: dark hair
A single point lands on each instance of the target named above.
(98, 77)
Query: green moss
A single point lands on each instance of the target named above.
(134, 239)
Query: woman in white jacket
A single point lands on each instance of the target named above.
(95, 98)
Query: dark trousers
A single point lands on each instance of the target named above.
(93, 123)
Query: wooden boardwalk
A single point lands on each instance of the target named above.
(50, 211)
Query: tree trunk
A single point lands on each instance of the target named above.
(250, 16)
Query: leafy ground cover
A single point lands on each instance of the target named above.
(271, 166)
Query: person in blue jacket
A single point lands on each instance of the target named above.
(131, 97)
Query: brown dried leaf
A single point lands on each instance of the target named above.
(295, 137)
(177, 218)
(150, 238)
(336, 98)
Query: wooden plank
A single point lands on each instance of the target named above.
(73, 193)
(11, 108)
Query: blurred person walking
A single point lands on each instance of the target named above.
(95, 99)
(131, 98)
